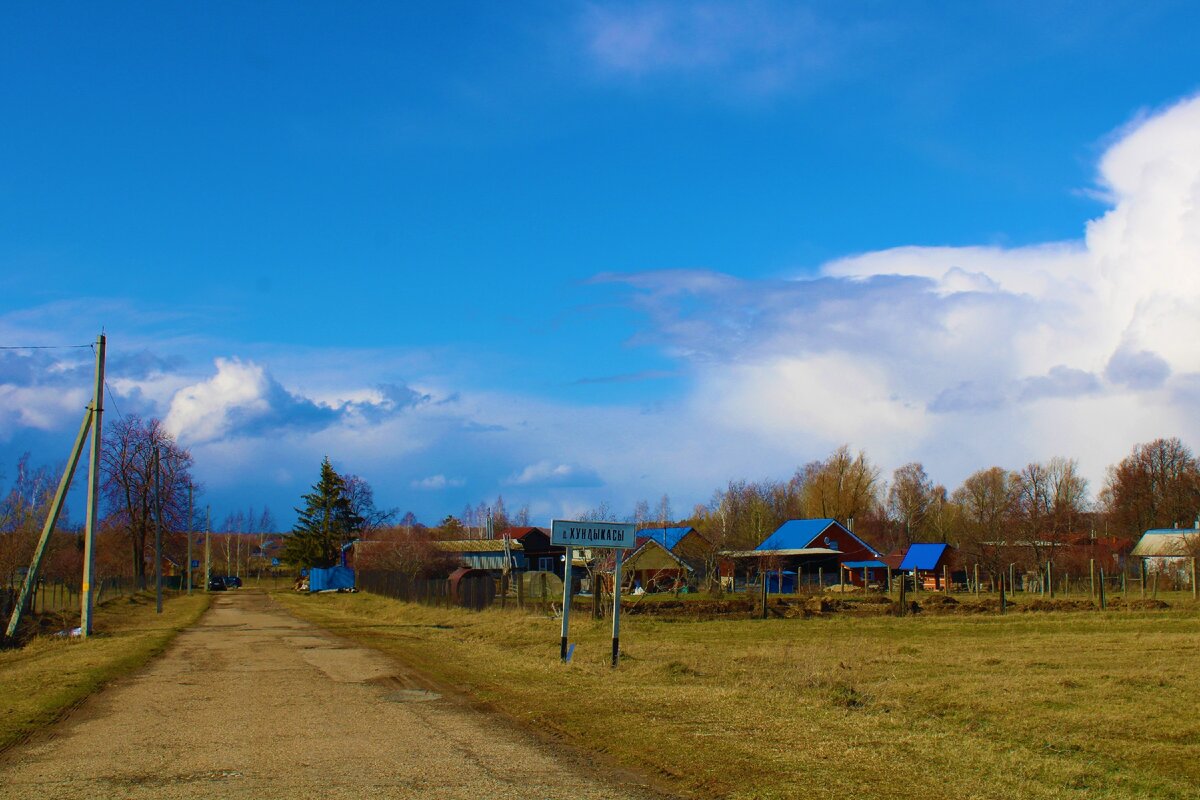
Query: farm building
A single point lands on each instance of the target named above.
(654, 568)
(1168, 550)
(666, 558)
(488, 554)
(539, 553)
(928, 563)
(814, 549)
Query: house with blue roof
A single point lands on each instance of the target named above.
(814, 550)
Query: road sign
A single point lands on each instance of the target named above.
(620, 535)
(594, 535)
(195, 563)
(274, 562)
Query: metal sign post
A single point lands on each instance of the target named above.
(616, 654)
(599, 535)
(566, 622)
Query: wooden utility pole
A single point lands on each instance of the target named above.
(93, 494)
(1092, 575)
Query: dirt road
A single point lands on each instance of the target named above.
(252, 702)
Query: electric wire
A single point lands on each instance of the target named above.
(113, 400)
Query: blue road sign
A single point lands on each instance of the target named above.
(195, 563)
(274, 562)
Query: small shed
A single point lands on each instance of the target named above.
(1168, 549)
(928, 562)
(539, 553)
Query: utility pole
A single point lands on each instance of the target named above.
(51, 520)
(190, 529)
(208, 549)
(157, 530)
(93, 494)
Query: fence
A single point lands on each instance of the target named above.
(475, 592)
(59, 596)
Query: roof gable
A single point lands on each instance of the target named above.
(797, 534)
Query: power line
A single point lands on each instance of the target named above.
(113, 400)
(44, 346)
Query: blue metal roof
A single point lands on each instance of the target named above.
(795, 534)
(667, 537)
(923, 556)
(864, 564)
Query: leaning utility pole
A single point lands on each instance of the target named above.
(93, 494)
(51, 520)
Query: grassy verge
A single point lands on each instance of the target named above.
(1057, 705)
(49, 675)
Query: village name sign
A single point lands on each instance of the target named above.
(571, 534)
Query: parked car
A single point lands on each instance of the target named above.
(233, 582)
(216, 584)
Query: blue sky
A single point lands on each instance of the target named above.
(576, 252)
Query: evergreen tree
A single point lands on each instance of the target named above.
(326, 522)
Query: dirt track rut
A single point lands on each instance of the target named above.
(252, 702)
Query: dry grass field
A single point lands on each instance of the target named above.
(1032, 705)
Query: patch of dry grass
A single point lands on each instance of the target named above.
(40, 681)
(1052, 705)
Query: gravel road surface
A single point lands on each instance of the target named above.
(252, 702)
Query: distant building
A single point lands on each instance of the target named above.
(812, 549)
(1168, 550)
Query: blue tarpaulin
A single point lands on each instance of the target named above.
(320, 580)
(788, 584)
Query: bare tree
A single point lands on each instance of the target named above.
(909, 500)
(841, 487)
(1155, 486)
(129, 482)
(988, 500)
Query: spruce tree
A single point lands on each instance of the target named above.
(326, 522)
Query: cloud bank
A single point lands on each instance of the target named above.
(966, 356)
(961, 357)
